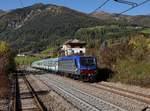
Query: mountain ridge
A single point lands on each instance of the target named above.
(2, 12)
(139, 20)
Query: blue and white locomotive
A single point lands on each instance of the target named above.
(83, 67)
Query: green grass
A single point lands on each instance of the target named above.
(47, 50)
(26, 60)
(146, 31)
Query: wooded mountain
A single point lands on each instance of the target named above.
(35, 27)
(38, 26)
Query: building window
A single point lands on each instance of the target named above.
(81, 52)
(72, 51)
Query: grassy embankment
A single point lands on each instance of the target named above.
(133, 72)
(121, 50)
(146, 31)
(129, 60)
(25, 60)
(134, 68)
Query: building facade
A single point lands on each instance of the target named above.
(73, 47)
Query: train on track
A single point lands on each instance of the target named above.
(81, 67)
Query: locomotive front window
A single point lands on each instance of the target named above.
(87, 61)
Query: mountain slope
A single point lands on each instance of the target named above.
(41, 25)
(139, 20)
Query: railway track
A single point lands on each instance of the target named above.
(81, 100)
(84, 101)
(126, 93)
(26, 98)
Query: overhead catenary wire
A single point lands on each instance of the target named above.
(100, 6)
(134, 7)
(126, 2)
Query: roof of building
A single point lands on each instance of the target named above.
(74, 41)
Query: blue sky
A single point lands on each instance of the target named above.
(86, 6)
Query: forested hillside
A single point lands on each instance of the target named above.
(138, 20)
(36, 26)
(99, 35)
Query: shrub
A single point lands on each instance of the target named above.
(6, 58)
(129, 60)
(110, 55)
(141, 47)
(132, 72)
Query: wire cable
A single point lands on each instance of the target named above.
(134, 7)
(126, 2)
(100, 6)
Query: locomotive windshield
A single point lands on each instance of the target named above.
(87, 61)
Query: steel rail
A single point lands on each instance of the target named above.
(77, 102)
(16, 102)
(35, 96)
(91, 100)
(95, 98)
(125, 93)
(15, 95)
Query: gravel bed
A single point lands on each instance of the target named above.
(84, 101)
(148, 109)
(24, 92)
(22, 86)
(51, 99)
(133, 88)
(4, 103)
(124, 102)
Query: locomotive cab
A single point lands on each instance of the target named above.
(88, 67)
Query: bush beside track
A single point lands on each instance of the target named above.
(130, 61)
(7, 65)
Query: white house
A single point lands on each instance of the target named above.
(20, 55)
(73, 47)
